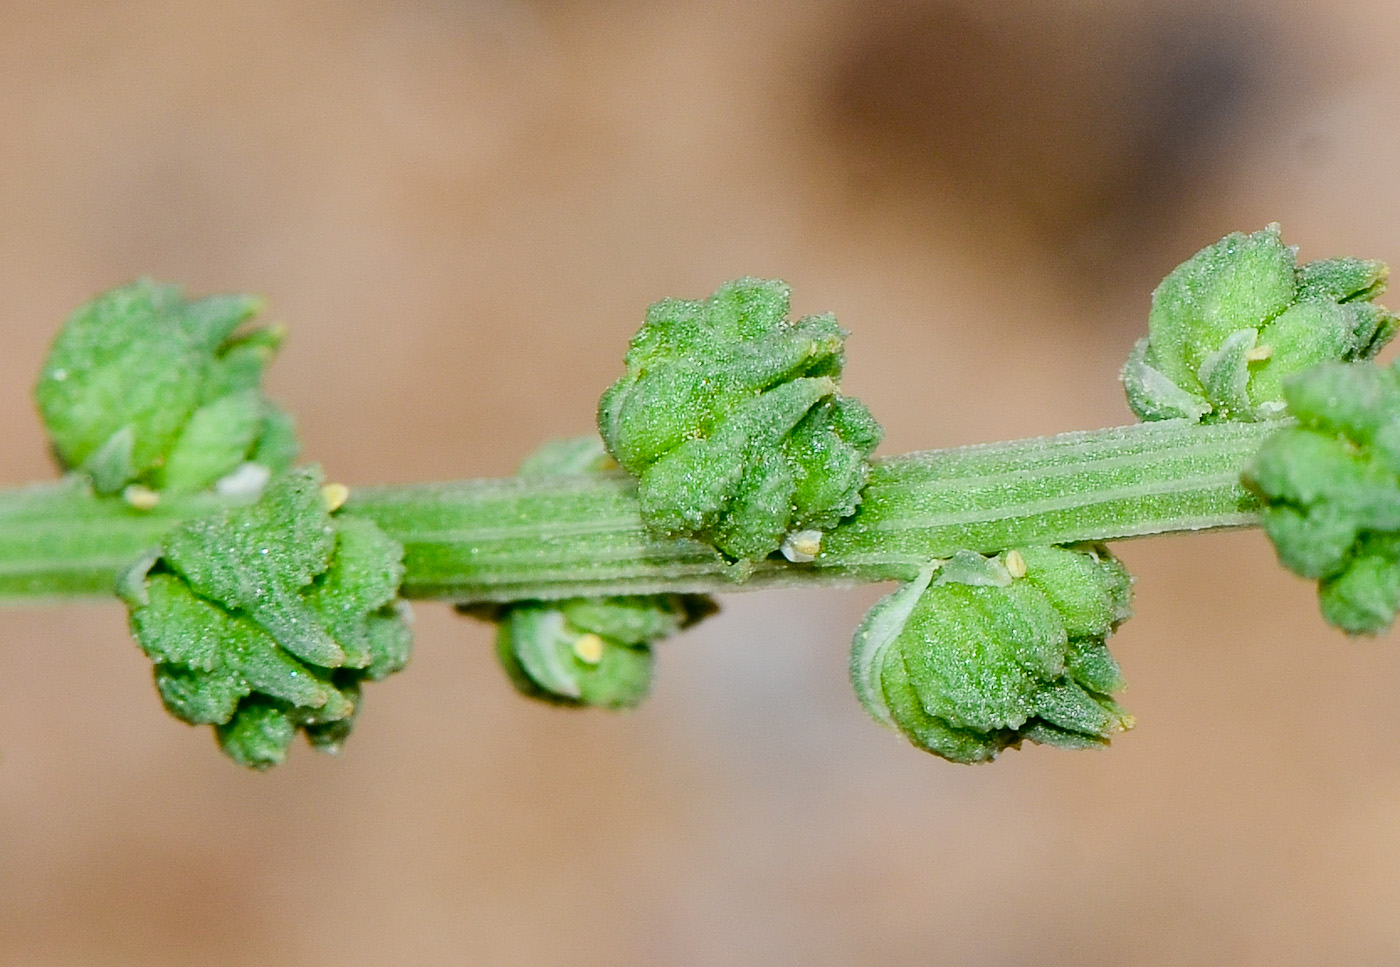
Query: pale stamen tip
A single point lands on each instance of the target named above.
(1015, 564)
(588, 649)
(334, 495)
(802, 547)
(142, 498)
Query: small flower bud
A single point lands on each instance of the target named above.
(144, 387)
(731, 418)
(265, 619)
(977, 655)
(593, 652)
(1232, 322)
(1331, 491)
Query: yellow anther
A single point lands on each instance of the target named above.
(1015, 564)
(802, 546)
(142, 498)
(589, 649)
(334, 495)
(1259, 353)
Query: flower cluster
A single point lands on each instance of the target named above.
(980, 653)
(731, 417)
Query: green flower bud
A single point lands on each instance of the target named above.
(1331, 490)
(730, 416)
(266, 619)
(144, 387)
(978, 654)
(594, 652)
(1232, 322)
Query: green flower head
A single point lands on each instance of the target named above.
(731, 417)
(267, 619)
(143, 386)
(594, 652)
(1331, 491)
(1232, 322)
(979, 654)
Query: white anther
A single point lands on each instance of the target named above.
(802, 546)
(1015, 564)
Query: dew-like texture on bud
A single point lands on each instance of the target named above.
(731, 417)
(145, 387)
(980, 654)
(1331, 491)
(585, 652)
(1232, 322)
(266, 619)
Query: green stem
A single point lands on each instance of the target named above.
(502, 540)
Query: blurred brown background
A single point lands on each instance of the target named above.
(462, 210)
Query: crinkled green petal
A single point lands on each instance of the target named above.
(266, 619)
(1230, 324)
(985, 652)
(218, 436)
(1331, 491)
(731, 417)
(258, 735)
(145, 387)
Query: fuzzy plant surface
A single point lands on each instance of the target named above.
(728, 460)
(731, 417)
(144, 388)
(1229, 325)
(266, 619)
(979, 653)
(1331, 490)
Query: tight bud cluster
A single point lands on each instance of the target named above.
(980, 653)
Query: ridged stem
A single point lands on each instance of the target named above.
(502, 540)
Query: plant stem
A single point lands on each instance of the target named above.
(503, 540)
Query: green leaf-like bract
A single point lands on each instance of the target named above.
(594, 652)
(979, 654)
(267, 618)
(1232, 322)
(143, 386)
(1331, 489)
(730, 416)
